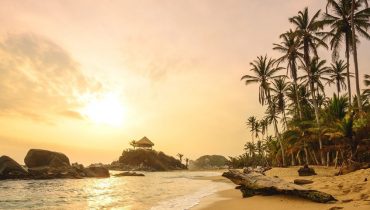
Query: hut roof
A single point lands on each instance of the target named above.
(145, 141)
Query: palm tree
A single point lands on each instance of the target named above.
(342, 29)
(250, 148)
(338, 75)
(290, 47)
(264, 69)
(180, 157)
(133, 144)
(308, 31)
(360, 21)
(279, 89)
(251, 123)
(272, 116)
(315, 73)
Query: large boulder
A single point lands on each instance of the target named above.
(45, 158)
(99, 172)
(10, 169)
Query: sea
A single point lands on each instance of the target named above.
(155, 191)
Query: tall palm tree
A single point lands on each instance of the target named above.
(279, 89)
(272, 116)
(342, 29)
(264, 70)
(309, 32)
(251, 123)
(290, 47)
(338, 74)
(316, 76)
(315, 73)
(360, 21)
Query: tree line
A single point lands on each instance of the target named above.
(310, 127)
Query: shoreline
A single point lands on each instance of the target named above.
(352, 197)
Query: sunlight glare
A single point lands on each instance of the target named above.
(107, 110)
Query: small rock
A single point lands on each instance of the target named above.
(302, 181)
(347, 200)
(129, 174)
(336, 208)
(306, 171)
(98, 172)
(365, 180)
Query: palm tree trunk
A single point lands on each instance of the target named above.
(297, 91)
(317, 121)
(348, 73)
(292, 156)
(336, 159)
(299, 157)
(355, 57)
(327, 159)
(280, 142)
(314, 157)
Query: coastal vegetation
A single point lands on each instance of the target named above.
(209, 162)
(146, 160)
(312, 123)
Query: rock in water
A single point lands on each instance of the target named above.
(302, 181)
(9, 169)
(306, 171)
(42, 158)
(99, 172)
(128, 173)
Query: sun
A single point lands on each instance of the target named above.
(107, 110)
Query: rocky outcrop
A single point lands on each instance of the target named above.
(10, 169)
(306, 171)
(45, 158)
(99, 172)
(129, 173)
(44, 164)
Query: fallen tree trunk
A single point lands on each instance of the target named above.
(257, 184)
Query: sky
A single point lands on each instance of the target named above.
(85, 77)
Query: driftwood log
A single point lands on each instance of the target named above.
(257, 184)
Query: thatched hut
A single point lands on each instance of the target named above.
(144, 143)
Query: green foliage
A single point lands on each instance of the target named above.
(150, 159)
(210, 161)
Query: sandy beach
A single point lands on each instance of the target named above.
(351, 191)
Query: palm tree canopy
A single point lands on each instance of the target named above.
(264, 70)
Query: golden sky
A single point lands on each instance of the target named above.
(85, 77)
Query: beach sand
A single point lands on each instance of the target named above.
(351, 191)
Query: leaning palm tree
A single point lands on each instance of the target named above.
(309, 32)
(290, 47)
(338, 75)
(342, 30)
(279, 89)
(272, 116)
(264, 70)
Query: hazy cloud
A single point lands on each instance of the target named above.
(39, 80)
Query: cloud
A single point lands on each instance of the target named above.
(39, 80)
